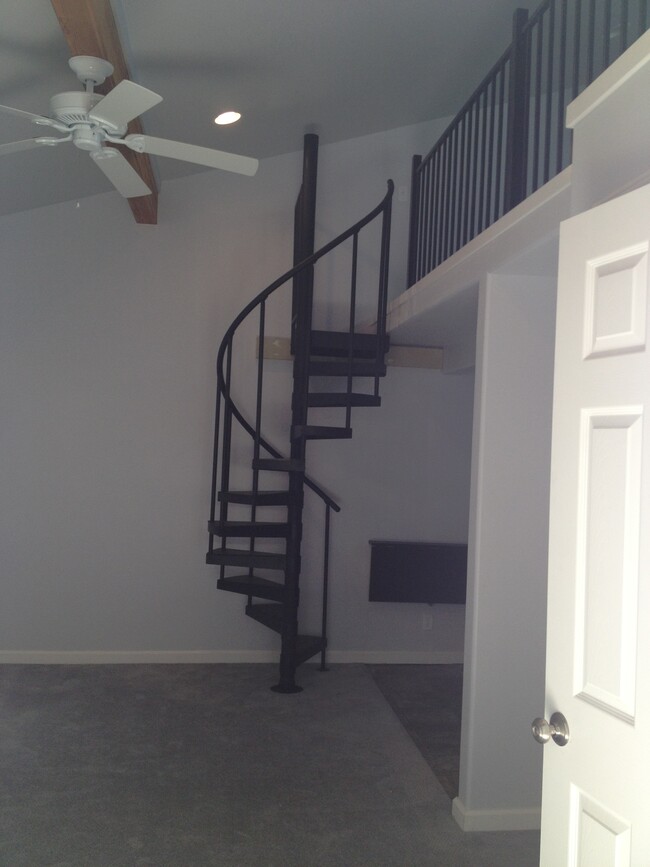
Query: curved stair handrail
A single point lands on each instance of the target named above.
(223, 388)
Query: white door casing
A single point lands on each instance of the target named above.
(596, 790)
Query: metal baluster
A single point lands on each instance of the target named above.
(353, 302)
(537, 119)
(215, 463)
(476, 122)
(576, 48)
(437, 209)
(481, 166)
(225, 457)
(517, 145)
(258, 422)
(258, 402)
(426, 229)
(490, 89)
(548, 115)
(607, 29)
(382, 305)
(326, 561)
(423, 205)
(448, 193)
(462, 183)
(414, 220)
(560, 88)
(431, 212)
(591, 41)
(436, 235)
(227, 436)
(623, 23)
(453, 184)
(502, 122)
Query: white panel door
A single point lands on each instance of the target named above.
(596, 792)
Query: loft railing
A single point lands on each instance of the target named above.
(509, 138)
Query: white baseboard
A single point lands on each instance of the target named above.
(515, 819)
(397, 657)
(112, 657)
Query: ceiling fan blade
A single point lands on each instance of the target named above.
(27, 144)
(124, 178)
(123, 103)
(27, 115)
(176, 150)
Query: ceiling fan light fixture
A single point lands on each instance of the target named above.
(227, 117)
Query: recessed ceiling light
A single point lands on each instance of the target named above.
(227, 117)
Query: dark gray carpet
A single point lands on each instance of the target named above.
(428, 699)
(204, 765)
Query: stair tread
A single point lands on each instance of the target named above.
(322, 432)
(268, 529)
(308, 646)
(270, 615)
(267, 613)
(341, 398)
(337, 344)
(259, 498)
(252, 585)
(240, 557)
(341, 367)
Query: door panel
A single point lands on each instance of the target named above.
(596, 791)
(607, 558)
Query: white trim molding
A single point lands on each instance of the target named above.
(622, 69)
(129, 657)
(396, 657)
(505, 819)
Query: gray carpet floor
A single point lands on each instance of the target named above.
(204, 765)
(428, 699)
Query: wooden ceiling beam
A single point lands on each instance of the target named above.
(89, 28)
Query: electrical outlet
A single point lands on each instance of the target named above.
(427, 621)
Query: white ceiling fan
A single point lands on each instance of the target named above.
(91, 121)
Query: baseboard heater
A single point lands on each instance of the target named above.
(432, 572)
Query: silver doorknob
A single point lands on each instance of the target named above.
(557, 728)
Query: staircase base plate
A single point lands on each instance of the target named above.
(287, 690)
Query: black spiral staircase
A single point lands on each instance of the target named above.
(270, 578)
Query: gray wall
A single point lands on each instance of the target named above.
(500, 772)
(108, 336)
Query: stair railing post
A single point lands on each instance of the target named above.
(301, 322)
(304, 226)
(288, 657)
(517, 128)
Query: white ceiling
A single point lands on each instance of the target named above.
(341, 68)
